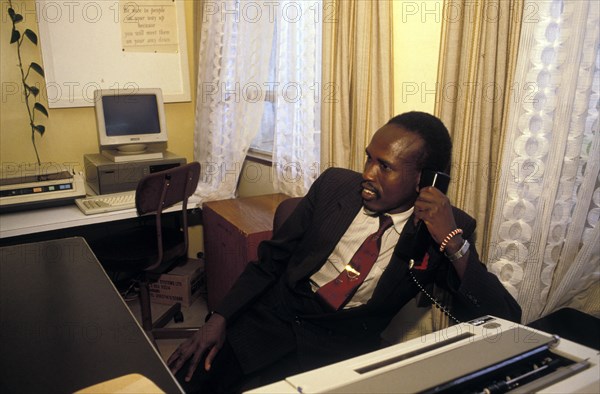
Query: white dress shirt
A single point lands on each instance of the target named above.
(363, 225)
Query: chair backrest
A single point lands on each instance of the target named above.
(283, 211)
(158, 191)
(161, 190)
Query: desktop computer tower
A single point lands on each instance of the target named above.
(105, 176)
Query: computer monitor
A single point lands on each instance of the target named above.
(129, 121)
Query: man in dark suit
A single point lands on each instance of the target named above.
(278, 320)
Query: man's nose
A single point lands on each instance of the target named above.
(369, 171)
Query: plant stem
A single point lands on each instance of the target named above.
(26, 92)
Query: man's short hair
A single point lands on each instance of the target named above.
(438, 146)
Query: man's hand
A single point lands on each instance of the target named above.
(434, 209)
(209, 338)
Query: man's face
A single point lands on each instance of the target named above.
(391, 174)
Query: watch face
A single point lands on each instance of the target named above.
(460, 253)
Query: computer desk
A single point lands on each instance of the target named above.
(66, 221)
(55, 218)
(64, 326)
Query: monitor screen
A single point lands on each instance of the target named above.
(131, 115)
(128, 120)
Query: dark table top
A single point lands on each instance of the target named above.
(571, 324)
(63, 326)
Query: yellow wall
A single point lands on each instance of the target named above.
(70, 132)
(417, 29)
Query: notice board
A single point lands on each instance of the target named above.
(112, 44)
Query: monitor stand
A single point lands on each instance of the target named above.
(122, 157)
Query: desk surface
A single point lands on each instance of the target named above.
(63, 325)
(47, 219)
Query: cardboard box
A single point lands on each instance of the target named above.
(182, 284)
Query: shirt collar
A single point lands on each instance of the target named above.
(399, 219)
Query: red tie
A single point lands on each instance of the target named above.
(338, 292)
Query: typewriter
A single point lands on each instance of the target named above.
(486, 355)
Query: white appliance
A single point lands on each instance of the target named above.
(486, 355)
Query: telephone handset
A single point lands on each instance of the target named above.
(440, 181)
(422, 237)
(437, 179)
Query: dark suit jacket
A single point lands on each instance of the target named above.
(278, 281)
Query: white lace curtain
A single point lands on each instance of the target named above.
(232, 68)
(236, 40)
(545, 234)
(297, 105)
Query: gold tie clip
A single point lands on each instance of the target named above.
(350, 270)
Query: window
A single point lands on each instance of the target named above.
(292, 94)
(261, 146)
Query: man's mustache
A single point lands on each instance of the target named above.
(369, 186)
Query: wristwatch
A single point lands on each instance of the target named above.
(460, 253)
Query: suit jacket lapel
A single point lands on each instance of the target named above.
(403, 248)
(339, 217)
(398, 265)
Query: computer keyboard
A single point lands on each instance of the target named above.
(106, 202)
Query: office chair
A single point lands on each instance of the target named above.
(149, 250)
(283, 211)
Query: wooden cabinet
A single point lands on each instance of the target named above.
(232, 231)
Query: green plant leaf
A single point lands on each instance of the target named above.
(31, 35)
(37, 68)
(40, 107)
(16, 18)
(39, 128)
(34, 90)
(14, 37)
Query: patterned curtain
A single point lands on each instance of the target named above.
(357, 93)
(478, 57)
(546, 238)
(297, 104)
(233, 69)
